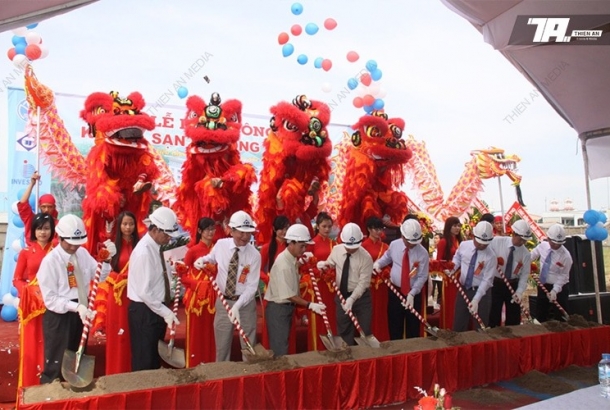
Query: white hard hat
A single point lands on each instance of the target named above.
(411, 231)
(72, 229)
(351, 236)
(241, 221)
(165, 220)
(298, 233)
(556, 233)
(522, 229)
(483, 232)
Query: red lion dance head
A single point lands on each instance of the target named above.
(295, 159)
(214, 127)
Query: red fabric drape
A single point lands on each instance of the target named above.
(370, 382)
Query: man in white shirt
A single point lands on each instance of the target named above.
(555, 264)
(148, 289)
(516, 263)
(239, 265)
(64, 277)
(283, 292)
(478, 264)
(410, 263)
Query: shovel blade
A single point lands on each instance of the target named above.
(171, 355)
(84, 375)
(432, 331)
(333, 343)
(369, 340)
(257, 353)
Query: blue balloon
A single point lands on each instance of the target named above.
(378, 104)
(20, 194)
(16, 257)
(287, 49)
(602, 217)
(317, 63)
(296, 8)
(368, 109)
(20, 48)
(302, 59)
(31, 26)
(376, 74)
(591, 217)
(371, 65)
(32, 201)
(311, 29)
(18, 40)
(14, 291)
(182, 92)
(352, 83)
(9, 313)
(17, 221)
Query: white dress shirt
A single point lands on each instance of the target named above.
(417, 254)
(145, 281)
(484, 280)
(283, 279)
(248, 256)
(53, 278)
(561, 262)
(521, 259)
(360, 269)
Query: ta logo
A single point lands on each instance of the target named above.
(22, 110)
(26, 143)
(550, 27)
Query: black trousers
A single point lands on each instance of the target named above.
(146, 328)
(500, 296)
(60, 331)
(279, 322)
(545, 309)
(398, 317)
(362, 310)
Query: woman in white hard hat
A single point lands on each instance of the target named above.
(282, 294)
(555, 264)
(64, 277)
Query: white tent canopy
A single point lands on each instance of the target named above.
(572, 78)
(19, 13)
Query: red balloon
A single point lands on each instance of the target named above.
(366, 80)
(368, 99)
(296, 30)
(33, 51)
(358, 103)
(11, 53)
(330, 24)
(352, 56)
(283, 38)
(326, 64)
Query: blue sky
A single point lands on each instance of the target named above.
(452, 89)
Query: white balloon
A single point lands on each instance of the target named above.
(327, 87)
(20, 31)
(14, 208)
(16, 302)
(382, 92)
(44, 50)
(374, 89)
(7, 299)
(16, 245)
(32, 37)
(20, 61)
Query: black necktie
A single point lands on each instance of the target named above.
(232, 274)
(345, 276)
(508, 272)
(168, 297)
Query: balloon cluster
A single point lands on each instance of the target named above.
(370, 93)
(596, 231)
(10, 303)
(27, 46)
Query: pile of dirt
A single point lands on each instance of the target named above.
(558, 327)
(579, 321)
(542, 383)
(586, 376)
(487, 396)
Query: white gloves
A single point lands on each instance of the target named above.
(516, 298)
(448, 272)
(552, 296)
(110, 247)
(409, 301)
(319, 308)
(474, 306)
(170, 319)
(234, 314)
(82, 312)
(349, 303)
(307, 256)
(199, 263)
(376, 267)
(323, 265)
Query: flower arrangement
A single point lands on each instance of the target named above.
(439, 400)
(244, 273)
(427, 226)
(71, 277)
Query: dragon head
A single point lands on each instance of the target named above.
(301, 127)
(212, 127)
(380, 138)
(118, 121)
(493, 162)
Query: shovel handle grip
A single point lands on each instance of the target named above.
(465, 296)
(228, 309)
(541, 286)
(316, 290)
(526, 312)
(349, 312)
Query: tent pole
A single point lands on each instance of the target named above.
(501, 204)
(593, 253)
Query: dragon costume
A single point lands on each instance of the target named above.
(215, 183)
(375, 171)
(295, 160)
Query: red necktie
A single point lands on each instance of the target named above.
(405, 279)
